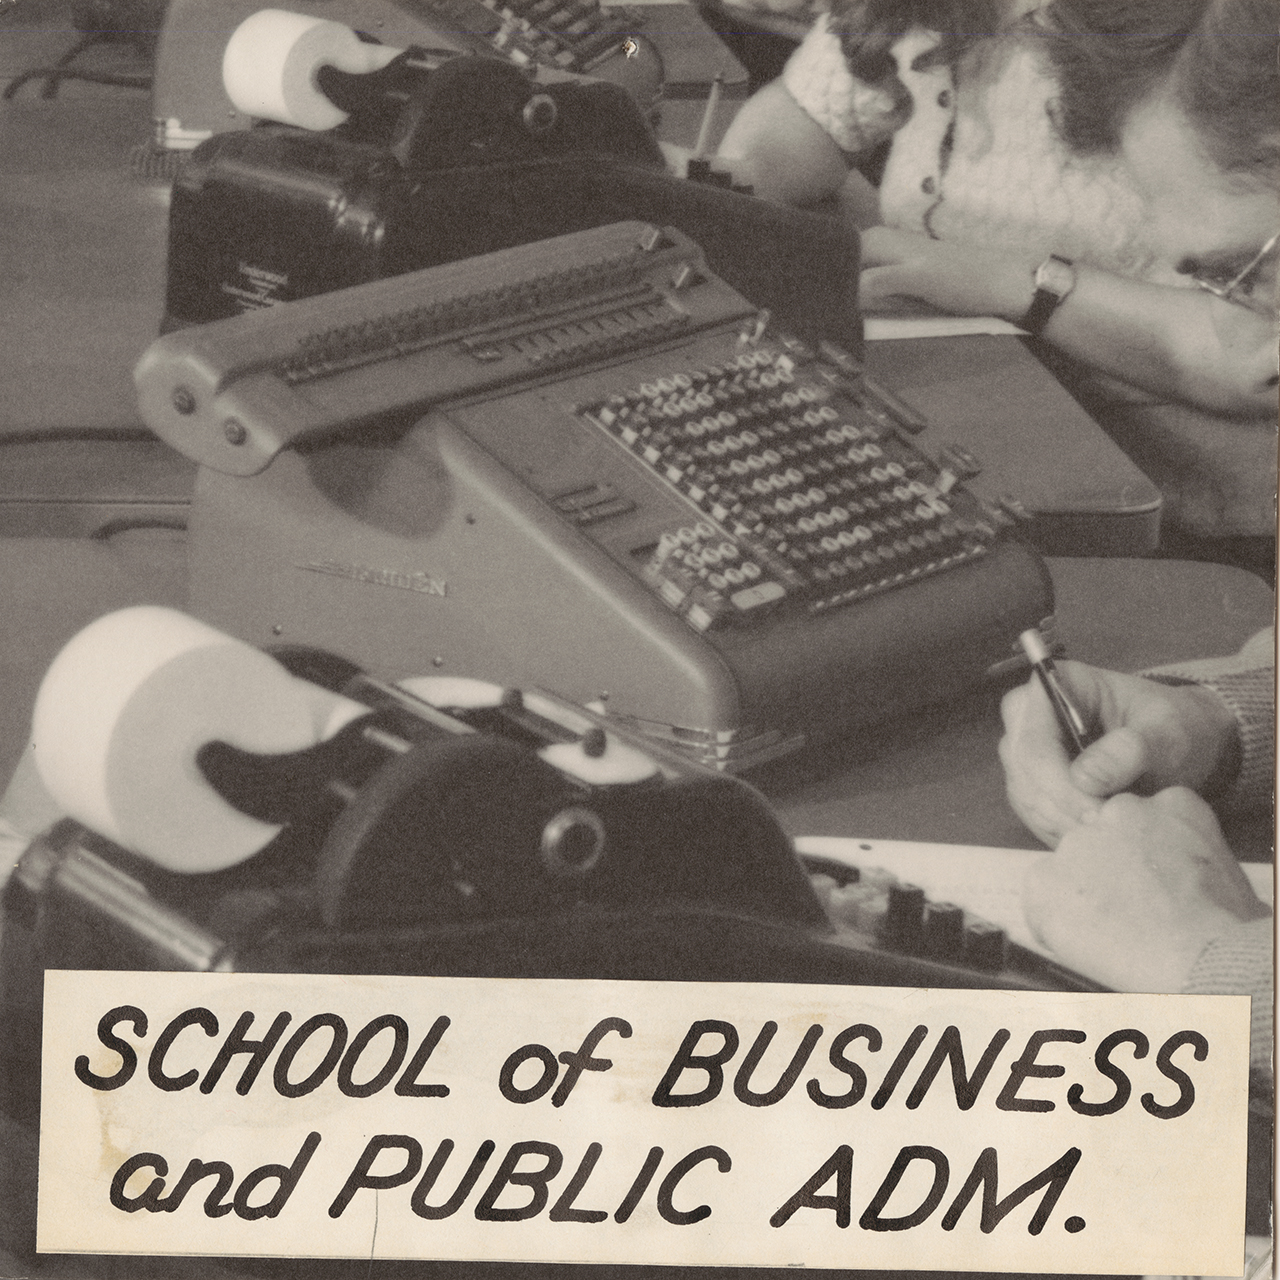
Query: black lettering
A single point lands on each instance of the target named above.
(950, 1047)
(685, 1218)
(418, 1201)
(535, 1179)
(280, 1074)
(711, 1063)
(563, 1210)
(871, 1219)
(506, 1077)
(1102, 1060)
(857, 1077)
(639, 1186)
(407, 1086)
(197, 1171)
(258, 1051)
(202, 1018)
(148, 1199)
(1027, 1067)
(128, 1059)
(399, 1048)
(360, 1179)
(1164, 1064)
(894, 1074)
(582, 1061)
(287, 1175)
(742, 1081)
(1053, 1179)
(838, 1165)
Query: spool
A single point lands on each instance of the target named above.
(271, 62)
(126, 705)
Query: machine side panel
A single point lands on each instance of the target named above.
(429, 557)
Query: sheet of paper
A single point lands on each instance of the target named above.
(882, 328)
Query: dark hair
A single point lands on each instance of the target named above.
(1227, 81)
(868, 29)
(1216, 60)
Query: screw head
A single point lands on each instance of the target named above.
(234, 430)
(183, 401)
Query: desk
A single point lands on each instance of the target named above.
(87, 299)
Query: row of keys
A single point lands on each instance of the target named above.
(874, 902)
(822, 499)
(390, 335)
(586, 338)
(569, 33)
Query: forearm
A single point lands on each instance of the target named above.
(1178, 344)
(1239, 962)
(778, 150)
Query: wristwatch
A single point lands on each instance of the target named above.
(1054, 279)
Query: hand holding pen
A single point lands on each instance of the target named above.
(1076, 732)
(1093, 733)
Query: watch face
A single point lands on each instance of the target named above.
(1056, 276)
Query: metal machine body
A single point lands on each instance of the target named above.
(627, 486)
(609, 857)
(191, 104)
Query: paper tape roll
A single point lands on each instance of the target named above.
(270, 64)
(129, 701)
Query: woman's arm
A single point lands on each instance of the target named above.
(781, 151)
(1179, 344)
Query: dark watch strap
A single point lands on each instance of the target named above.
(1046, 300)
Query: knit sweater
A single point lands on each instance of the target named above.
(1246, 682)
(1240, 961)
(978, 159)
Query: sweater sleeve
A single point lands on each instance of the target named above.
(1246, 683)
(856, 115)
(1240, 963)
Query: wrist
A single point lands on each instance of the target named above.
(1212, 727)
(1052, 282)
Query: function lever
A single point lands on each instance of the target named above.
(904, 918)
(957, 459)
(986, 946)
(1013, 507)
(902, 413)
(840, 358)
(652, 238)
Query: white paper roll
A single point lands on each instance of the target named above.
(129, 701)
(270, 64)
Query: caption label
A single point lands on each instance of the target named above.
(633, 1122)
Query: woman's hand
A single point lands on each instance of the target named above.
(957, 279)
(1178, 344)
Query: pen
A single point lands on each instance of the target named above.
(1074, 729)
